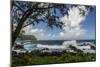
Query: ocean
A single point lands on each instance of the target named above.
(87, 46)
(57, 42)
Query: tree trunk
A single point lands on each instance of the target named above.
(20, 24)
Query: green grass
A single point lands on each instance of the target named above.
(29, 59)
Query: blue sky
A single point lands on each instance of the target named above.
(89, 24)
(84, 26)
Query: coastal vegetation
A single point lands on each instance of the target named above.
(18, 47)
(35, 59)
(24, 37)
(27, 37)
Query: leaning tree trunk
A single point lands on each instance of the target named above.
(20, 24)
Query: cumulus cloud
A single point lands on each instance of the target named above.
(76, 16)
(72, 28)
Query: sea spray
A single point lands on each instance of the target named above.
(68, 43)
(83, 46)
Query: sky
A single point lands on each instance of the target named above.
(77, 26)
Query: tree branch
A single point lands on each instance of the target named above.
(27, 24)
(18, 7)
(20, 24)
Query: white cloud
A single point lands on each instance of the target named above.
(37, 30)
(61, 34)
(71, 30)
(39, 33)
(72, 21)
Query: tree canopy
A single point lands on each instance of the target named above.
(24, 13)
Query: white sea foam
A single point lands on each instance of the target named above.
(65, 45)
(68, 43)
(85, 48)
(51, 46)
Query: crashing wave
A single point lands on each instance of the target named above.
(69, 46)
(86, 47)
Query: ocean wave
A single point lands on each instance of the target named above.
(86, 47)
